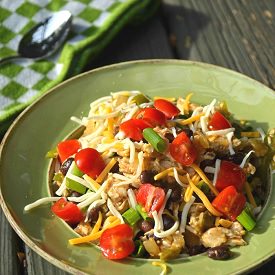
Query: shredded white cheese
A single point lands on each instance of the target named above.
(246, 158)
(114, 210)
(176, 175)
(79, 180)
(80, 198)
(184, 214)
(104, 116)
(130, 114)
(95, 204)
(262, 133)
(93, 196)
(220, 132)
(40, 201)
(174, 132)
(132, 148)
(132, 198)
(163, 234)
(167, 196)
(77, 120)
(203, 122)
(62, 187)
(230, 145)
(209, 169)
(217, 170)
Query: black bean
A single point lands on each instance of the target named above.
(176, 194)
(65, 166)
(146, 226)
(147, 176)
(221, 252)
(168, 221)
(188, 132)
(196, 249)
(237, 158)
(207, 162)
(93, 215)
(115, 168)
(169, 136)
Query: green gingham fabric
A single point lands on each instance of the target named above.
(94, 24)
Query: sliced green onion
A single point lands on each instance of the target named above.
(246, 220)
(204, 187)
(75, 171)
(140, 98)
(75, 186)
(142, 213)
(139, 249)
(131, 216)
(155, 140)
(52, 154)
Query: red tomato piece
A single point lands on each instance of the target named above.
(117, 242)
(230, 202)
(153, 116)
(142, 123)
(150, 197)
(218, 122)
(67, 211)
(166, 107)
(230, 174)
(67, 148)
(182, 149)
(130, 129)
(133, 128)
(90, 162)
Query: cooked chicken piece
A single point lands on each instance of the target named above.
(83, 228)
(219, 235)
(126, 167)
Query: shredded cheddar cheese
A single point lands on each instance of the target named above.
(95, 236)
(186, 103)
(92, 182)
(205, 179)
(106, 170)
(97, 224)
(162, 265)
(204, 199)
(191, 119)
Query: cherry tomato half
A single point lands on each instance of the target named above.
(182, 149)
(67, 211)
(90, 162)
(150, 197)
(230, 202)
(151, 115)
(117, 242)
(230, 174)
(133, 128)
(166, 107)
(218, 122)
(67, 148)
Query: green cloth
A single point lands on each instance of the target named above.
(95, 23)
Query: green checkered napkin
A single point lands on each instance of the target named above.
(94, 24)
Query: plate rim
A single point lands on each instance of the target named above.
(24, 237)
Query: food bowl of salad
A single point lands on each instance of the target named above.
(148, 166)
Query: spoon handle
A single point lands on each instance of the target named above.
(8, 58)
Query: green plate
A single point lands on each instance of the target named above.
(24, 169)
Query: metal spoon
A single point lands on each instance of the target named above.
(44, 38)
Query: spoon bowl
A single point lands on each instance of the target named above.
(45, 38)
